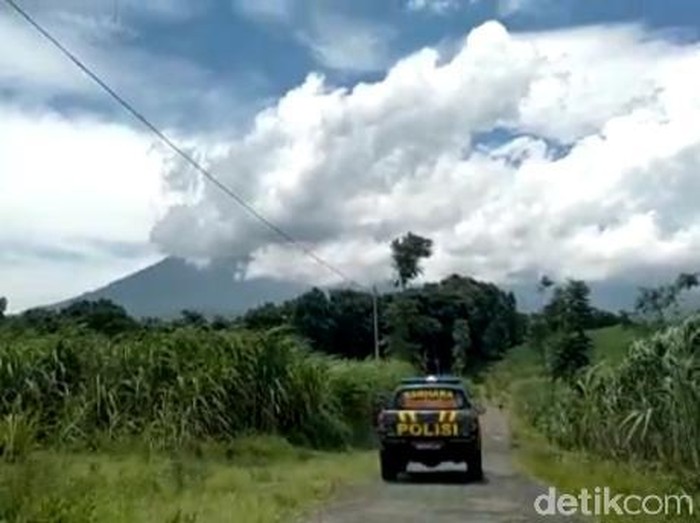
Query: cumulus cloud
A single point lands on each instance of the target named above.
(596, 179)
(77, 199)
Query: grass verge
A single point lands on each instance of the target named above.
(255, 480)
(570, 472)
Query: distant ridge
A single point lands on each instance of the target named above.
(171, 285)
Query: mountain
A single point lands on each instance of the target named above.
(171, 285)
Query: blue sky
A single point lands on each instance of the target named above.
(522, 135)
(252, 51)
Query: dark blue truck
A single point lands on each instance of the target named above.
(429, 420)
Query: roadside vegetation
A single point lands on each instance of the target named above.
(204, 424)
(624, 410)
(255, 479)
(106, 417)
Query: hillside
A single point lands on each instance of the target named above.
(609, 344)
(171, 285)
(168, 287)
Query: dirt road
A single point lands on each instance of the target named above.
(424, 495)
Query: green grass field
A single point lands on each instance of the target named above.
(611, 343)
(256, 480)
(524, 362)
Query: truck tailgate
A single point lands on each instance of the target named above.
(426, 424)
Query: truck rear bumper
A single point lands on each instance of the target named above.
(430, 452)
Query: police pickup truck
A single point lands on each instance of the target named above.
(429, 420)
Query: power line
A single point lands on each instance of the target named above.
(178, 150)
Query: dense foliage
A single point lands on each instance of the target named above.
(640, 406)
(189, 384)
(559, 331)
(406, 253)
(645, 408)
(657, 305)
(458, 320)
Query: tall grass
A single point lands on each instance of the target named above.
(644, 408)
(176, 388)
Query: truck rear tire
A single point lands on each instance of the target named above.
(475, 469)
(390, 465)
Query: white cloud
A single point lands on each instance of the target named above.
(439, 7)
(77, 199)
(504, 8)
(335, 40)
(508, 8)
(78, 196)
(29, 63)
(582, 81)
(347, 170)
(33, 73)
(342, 43)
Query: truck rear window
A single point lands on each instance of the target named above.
(430, 398)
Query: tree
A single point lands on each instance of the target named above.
(402, 316)
(578, 311)
(625, 319)
(192, 318)
(406, 253)
(544, 284)
(3, 306)
(313, 319)
(353, 334)
(429, 324)
(427, 331)
(102, 316)
(41, 319)
(537, 336)
(686, 281)
(414, 334)
(268, 316)
(220, 323)
(569, 351)
(566, 316)
(569, 308)
(651, 303)
(462, 344)
(656, 303)
(602, 318)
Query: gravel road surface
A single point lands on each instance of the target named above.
(443, 495)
